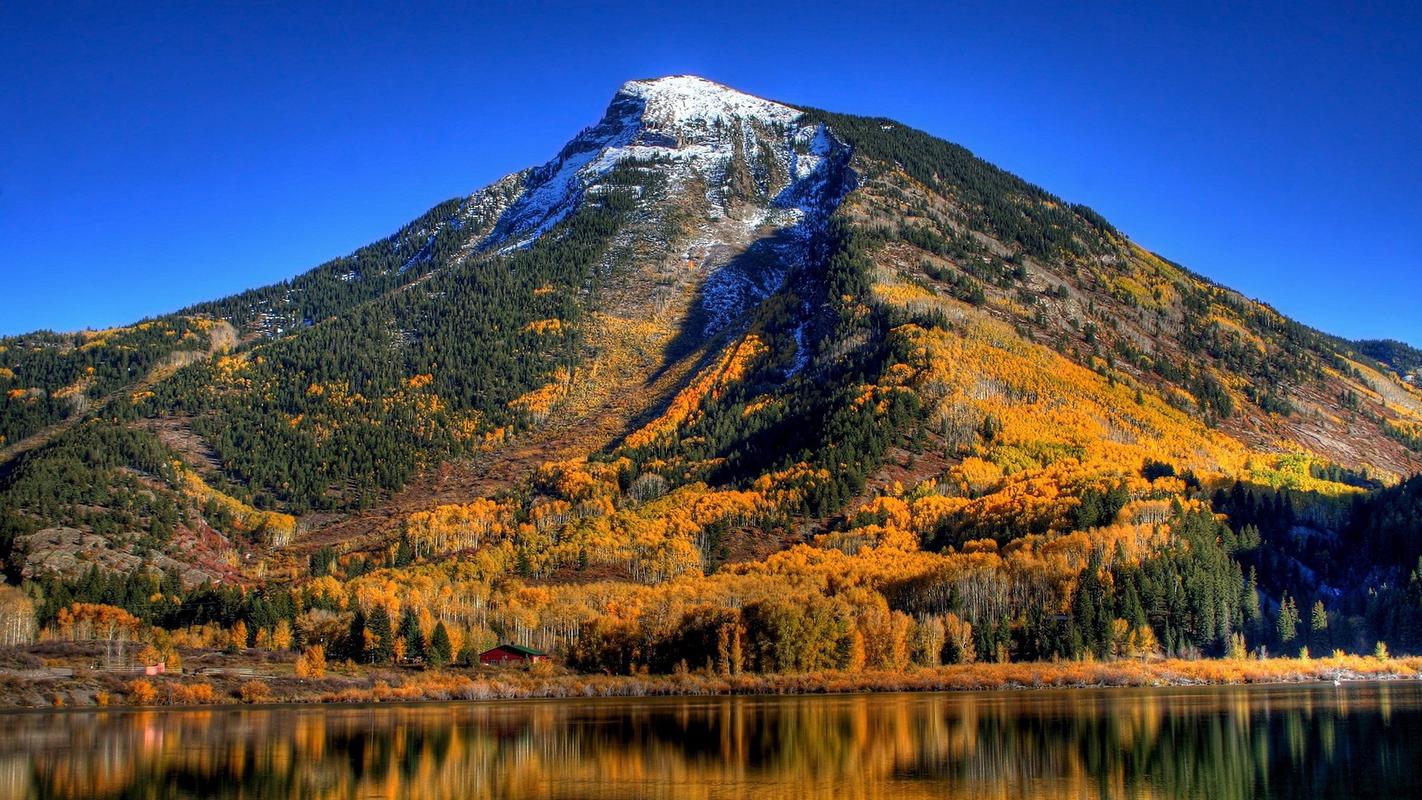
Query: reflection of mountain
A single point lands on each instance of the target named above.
(1218, 743)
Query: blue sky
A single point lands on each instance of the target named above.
(160, 154)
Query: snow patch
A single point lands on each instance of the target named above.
(769, 174)
(687, 100)
(800, 213)
(685, 121)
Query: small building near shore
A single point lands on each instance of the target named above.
(511, 654)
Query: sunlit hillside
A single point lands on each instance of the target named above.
(726, 386)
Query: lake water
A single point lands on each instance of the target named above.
(1359, 740)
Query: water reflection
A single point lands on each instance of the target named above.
(1212, 743)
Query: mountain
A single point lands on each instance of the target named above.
(1403, 358)
(720, 352)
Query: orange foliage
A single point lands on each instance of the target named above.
(81, 621)
(544, 327)
(732, 365)
(311, 663)
(141, 692)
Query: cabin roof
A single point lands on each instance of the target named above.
(520, 649)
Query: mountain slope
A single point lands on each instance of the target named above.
(721, 348)
(1402, 358)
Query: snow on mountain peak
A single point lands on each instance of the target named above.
(692, 126)
(677, 100)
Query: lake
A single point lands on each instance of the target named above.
(1358, 740)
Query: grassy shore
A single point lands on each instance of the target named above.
(366, 684)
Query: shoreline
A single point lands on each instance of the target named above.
(374, 687)
(315, 705)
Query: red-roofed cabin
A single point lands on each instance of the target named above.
(511, 654)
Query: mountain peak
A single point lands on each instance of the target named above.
(678, 100)
(748, 354)
(686, 121)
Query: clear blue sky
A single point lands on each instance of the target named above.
(157, 155)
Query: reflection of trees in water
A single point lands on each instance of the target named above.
(1217, 743)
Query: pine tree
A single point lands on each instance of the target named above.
(1318, 628)
(441, 649)
(1287, 624)
(1252, 613)
(382, 649)
(1092, 610)
(354, 647)
(410, 632)
(404, 553)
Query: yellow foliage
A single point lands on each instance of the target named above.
(1293, 471)
(141, 693)
(80, 621)
(254, 691)
(732, 365)
(190, 694)
(544, 327)
(311, 663)
(448, 528)
(541, 400)
(275, 527)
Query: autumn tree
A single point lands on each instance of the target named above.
(17, 617)
(958, 647)
(804, 636)
(237, 637)
(312, 662)
(317, 626)
(141, 692)
(281, 635)
(929, 640)
(86, 621)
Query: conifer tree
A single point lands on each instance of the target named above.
(382, 649)
(1252, 614)
(1287, 624)
(1318, 627)
(441, 649)
(354, 647)
(410, 632)
(404, 553)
